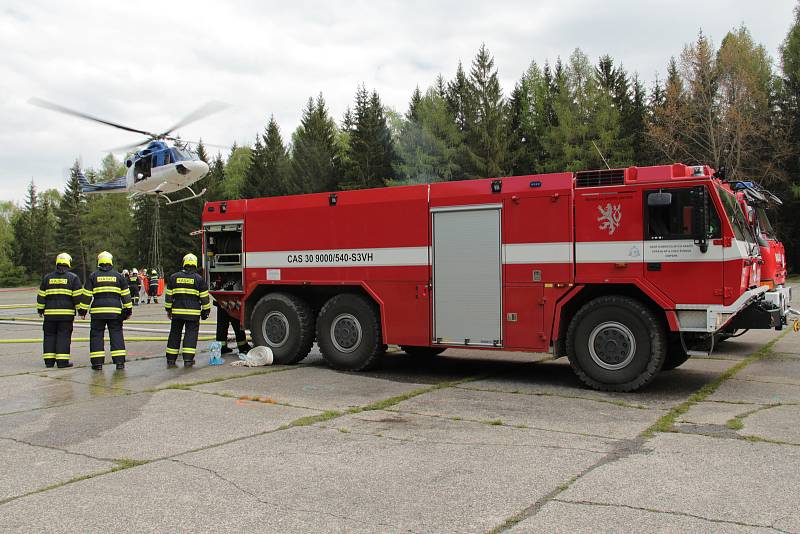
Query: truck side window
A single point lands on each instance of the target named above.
(675, 220)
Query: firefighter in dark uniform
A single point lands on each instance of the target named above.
(133, 285)
(223, 320)
(186, 300)
(152, 287)
(60, 295)
(110, 298)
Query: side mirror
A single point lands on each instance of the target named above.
(700, 218)
(659, 199)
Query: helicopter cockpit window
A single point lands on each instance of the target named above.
(180, 154)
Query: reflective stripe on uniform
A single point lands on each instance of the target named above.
(184, 291)
(128, 305)
(59, 311)
(172, 351)
(121, 352)
(185, 311)
(189, 350)
(206, 306)
(62, 356)
(41, 293)
(106, 289)
(97, 353)
(49, 355)
(58, 291)
(105, 310)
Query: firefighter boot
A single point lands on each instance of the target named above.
(49, 362)
(224, 350)
(188, 363)
(63, 364)
(121, 365)
(171, 362)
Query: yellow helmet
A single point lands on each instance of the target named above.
(64, 259)
(190, 259)
(105, 257)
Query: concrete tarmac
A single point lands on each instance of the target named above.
(468, 441)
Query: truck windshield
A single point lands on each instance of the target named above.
(764, 226)
(740, 227)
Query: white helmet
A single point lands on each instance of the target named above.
(135, 271)
(125, 272)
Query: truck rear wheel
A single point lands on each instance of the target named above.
(285, 324)
(615, 343)
(349, 333)
(422, 352)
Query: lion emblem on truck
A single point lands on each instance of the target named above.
(610, 216)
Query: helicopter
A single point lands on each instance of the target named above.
(158, 169)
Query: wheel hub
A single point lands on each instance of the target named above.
(275, 329)
(346, 332)
(612, 345)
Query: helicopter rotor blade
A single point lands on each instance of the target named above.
(61, 109)
(130, 147)
(205, 110)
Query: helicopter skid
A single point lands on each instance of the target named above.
(191, 197)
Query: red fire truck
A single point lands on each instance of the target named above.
(621, 270)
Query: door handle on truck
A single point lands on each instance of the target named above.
(653, 266)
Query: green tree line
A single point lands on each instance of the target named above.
(726, 105)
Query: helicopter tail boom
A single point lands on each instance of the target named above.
(117, 185)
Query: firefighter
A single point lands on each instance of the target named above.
(223, 320)
(60, 295)
(152, 287)
(133, 285)
(186, 300)
(110, 298)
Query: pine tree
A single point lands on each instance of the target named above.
(486, 133)
(276, 158)
(216, 179)
(314, 160)
(529, 110)
(428, 147)
(256, 172)
(371, 151)
(71, 215)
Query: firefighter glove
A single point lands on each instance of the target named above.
(204, 314)
(41, 313)
(82, 313)
(126, 314)
(169, 314)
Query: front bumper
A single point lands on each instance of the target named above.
(710, 318)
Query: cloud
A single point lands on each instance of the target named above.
(147, 64)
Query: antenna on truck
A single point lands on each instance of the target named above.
(601, 155)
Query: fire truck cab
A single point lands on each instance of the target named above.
(624, 271)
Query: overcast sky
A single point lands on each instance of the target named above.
(146, 64)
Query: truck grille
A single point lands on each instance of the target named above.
(599, 178)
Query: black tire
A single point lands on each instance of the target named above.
(285, 324)
(422, 352)
(349, 333)
(676, 356)
(632, 353)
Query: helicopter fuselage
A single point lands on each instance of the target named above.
(160, 168)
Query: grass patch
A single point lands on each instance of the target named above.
(667, 422)
(313, 419)
(127, 463)
(493, 422)
(735, 424)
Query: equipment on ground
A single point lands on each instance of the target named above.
(158, 169)
(626, 271)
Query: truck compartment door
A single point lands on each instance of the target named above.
(467, 276)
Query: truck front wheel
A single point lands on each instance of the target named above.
(349, 333)
(616, 343)
(285, 324)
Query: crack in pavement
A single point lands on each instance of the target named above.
(261, 500)
(52, 448)
(469, 420)
(620, 451)
(467, 443)
(621, 404)
(675, 513)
